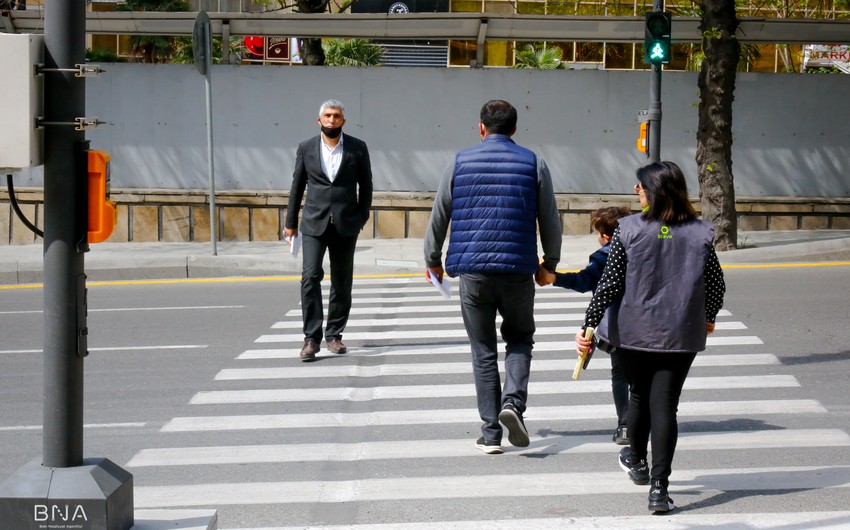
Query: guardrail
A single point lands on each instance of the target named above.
(460, 26)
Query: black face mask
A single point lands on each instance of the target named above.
(331, 132)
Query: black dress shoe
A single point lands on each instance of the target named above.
(336, 346)
(309, 351)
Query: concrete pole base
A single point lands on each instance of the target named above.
(98, 495)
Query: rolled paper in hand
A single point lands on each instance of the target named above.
(581, 362)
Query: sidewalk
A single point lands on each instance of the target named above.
(22, 264)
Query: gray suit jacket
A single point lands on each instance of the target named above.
(339, 201)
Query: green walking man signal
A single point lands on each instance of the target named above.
(657, 45)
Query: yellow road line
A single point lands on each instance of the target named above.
(398, 275)
(203, 280)
(788, 265)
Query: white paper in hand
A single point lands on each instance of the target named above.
(444, 287)
(294, 244)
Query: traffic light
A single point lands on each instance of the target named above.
(657, 45)
(101, 211)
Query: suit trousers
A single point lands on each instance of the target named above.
(512, 296)
(655, 382)
(341, 253)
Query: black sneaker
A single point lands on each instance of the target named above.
(659, 501)
(639, 472)
(511, 418)
(621, 436)
(491, 448)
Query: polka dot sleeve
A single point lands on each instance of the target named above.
(611, 284)
(715, 286)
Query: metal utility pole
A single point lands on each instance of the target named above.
(654, 111)
(65, 331)
(65, 490)
(202, 55)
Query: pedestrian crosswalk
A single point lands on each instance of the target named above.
(382, 437)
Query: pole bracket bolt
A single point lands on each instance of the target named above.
(79, 70)
(80, 124)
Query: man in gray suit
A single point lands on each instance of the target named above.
(336, 171)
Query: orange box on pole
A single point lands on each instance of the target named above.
(642, 143)
(101, 211)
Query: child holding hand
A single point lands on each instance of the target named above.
(603, 221)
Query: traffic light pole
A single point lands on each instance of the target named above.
(64, 490)
(654, 114)
(654, 111)
(65, 331)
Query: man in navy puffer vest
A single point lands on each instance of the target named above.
(495, 195)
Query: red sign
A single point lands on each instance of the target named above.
(255, 45)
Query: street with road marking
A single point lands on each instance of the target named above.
(383, 436)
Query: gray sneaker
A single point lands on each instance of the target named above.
(621, 436)
(490, 448)
(511, 418)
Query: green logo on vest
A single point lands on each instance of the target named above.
(664, 233)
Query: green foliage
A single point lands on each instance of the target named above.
(713, 33)
(352, 52)
(99, 55)
(817, 9)
(750, 53)
(183, 50)
(541, 58)
(153, 49)
(824, 70)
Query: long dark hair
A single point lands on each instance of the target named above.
(666, 193)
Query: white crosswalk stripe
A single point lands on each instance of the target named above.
(445, 416)
(567, 347)
(457, 390)
(384, 404)
(374, 336)
(401, 449)
(464, 486)
(821, 520)
(451, 321)
(411, 369)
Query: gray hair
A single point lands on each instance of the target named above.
(332, 104)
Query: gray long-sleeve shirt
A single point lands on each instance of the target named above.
(548, 219)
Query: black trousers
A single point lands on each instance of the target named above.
(341, 253)
(620, 391)
(655, 385)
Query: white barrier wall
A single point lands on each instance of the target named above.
(791, 132)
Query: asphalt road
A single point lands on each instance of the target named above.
(195, 388)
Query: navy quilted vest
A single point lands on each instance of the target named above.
(494, 209)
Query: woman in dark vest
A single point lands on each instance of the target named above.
(653, 308)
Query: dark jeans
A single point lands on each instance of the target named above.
(512, 296)
(620, 391)
(655, 382)
(341, 252)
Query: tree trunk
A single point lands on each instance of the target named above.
(714, 135)
(312, 53)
